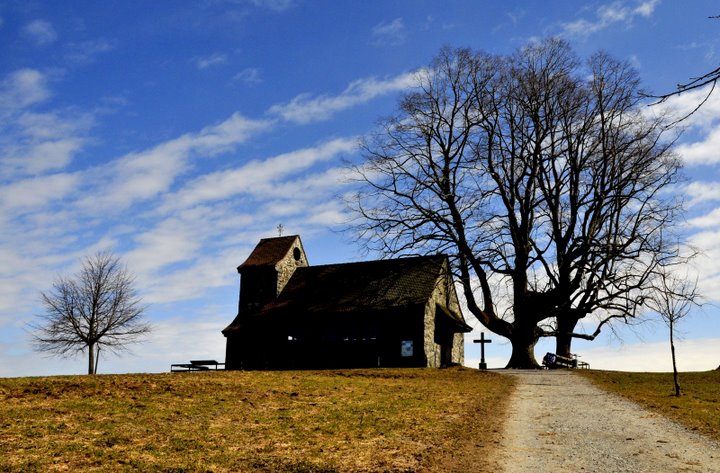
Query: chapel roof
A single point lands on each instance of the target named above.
(269, 251)
(381, 284)
(399, 283)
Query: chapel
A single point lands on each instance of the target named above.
(401, 312)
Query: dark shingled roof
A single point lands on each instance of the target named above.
(269, 251)
(382, 284)
(357, 287)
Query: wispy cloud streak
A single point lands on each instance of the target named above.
(618, 12)
(306, 108)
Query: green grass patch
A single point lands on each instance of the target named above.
(314, 421)
(698, 407)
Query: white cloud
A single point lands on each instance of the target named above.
(257, 177)
(85, 52)
(182, 256)
(710, 220)
(215, 59)
(703, 152)
(700, 192)
(330, 214)
(172, 240)
(646, 8)
(50, 155)
(51, 125)
(275, 5)
(146, 174)
(708, 242)
(29, 194)
(31, 142)
(50, 220)
(41, 142)
(249, 75)
(388, 34)
(224, 136)
(305, 108)
(320, 182)
(71, 212)
(194, 280)
(41, 32)
(20, 89)
(606, 15)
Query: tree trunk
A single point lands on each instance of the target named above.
(97, 359)
(563, 340)
(523, 348)
(91, 358)
(675, 371)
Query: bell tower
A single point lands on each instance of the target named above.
(267, 270)
(263, 276)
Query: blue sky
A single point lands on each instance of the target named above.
(177, 134)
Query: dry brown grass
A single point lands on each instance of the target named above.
(698, 407)
(355, 420)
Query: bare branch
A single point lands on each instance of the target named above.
(709, 78)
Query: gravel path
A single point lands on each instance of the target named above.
(561, 422)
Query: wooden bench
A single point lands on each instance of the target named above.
(196, 365)
(553, 361)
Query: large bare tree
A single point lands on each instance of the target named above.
(536, 173)
(96, 308)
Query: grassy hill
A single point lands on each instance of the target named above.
(353, 420)
(697, 408)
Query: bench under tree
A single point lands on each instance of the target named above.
(553, 361)
(197, 365)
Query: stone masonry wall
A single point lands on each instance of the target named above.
(295, 258)
(432, 349)
(458, 351)
(448, 298)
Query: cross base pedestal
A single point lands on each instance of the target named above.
(482, 366)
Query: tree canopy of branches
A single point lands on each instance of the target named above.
(534, 171)
(97, 307)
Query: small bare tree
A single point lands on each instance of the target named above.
(98, 307)
(673, 297)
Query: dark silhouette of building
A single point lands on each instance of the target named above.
(388, 313)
